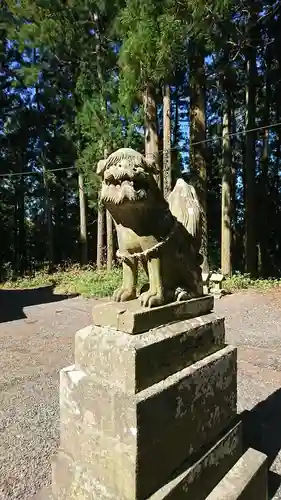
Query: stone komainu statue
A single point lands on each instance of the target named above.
(164, 236)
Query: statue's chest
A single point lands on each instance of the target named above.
(131, 242)
(128, 240)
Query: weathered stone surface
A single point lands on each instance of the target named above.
(247, 480)
(123, 437)
(131, 317)
(197, 480)
(72, 481)
(134, 362)
(44, 494)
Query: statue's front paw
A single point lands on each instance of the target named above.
(124, 294)
(152, 299)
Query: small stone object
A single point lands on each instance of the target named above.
(216, 280)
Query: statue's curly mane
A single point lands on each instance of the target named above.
(127, 176)
(134, 157)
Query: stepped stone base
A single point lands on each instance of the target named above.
(150, 416)
(131, 317)
(196, 480)
(247, 479)
(155, 429)
(192, 481)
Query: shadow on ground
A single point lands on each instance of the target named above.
(262, 431)
(12, 302)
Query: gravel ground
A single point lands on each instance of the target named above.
(36, 339)
(253, 323)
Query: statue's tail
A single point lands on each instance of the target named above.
(185, 206)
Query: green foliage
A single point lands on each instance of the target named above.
(156, 36)
(152, 33)
(89, 282)
(100, 134)
(241, 281)
(85, 281)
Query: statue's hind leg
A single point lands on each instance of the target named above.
(192, 288)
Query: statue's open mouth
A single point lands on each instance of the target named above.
(121, 187)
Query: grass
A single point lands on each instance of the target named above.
(244, 282)
(89, 282)
(85, 281)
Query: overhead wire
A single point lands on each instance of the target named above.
(35, 172)
(195, 143)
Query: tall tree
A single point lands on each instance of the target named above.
(151, 127)
(264, 232)
(101, 230)
(197, 139)
(250, 145)
(83, 219)
(100, 237)
(109, 241)
(49, 216)
(226, 193)
(167, 154)
(153, 34)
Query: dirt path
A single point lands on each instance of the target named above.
(37, 341)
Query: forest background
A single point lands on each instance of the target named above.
(195, 84)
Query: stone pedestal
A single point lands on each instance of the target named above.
(151, 415)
